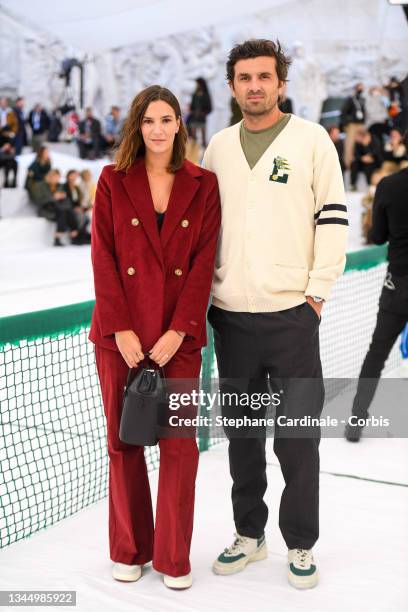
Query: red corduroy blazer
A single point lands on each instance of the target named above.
(145, 280)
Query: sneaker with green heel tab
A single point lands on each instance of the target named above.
(239, 554)
(302, 569)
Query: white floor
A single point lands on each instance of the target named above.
(362, 551)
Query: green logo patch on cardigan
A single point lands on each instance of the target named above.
(281, 169)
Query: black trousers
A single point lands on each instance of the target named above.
(357, 167)
(391, 319)
(279, 346)
(89, 149)
(10, 165)
(63, 214)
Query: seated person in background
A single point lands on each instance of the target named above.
(88, 189)
(38, 169)
(72, 190)
(367, 156)
(89, 137)
(8, 156)
(367, 202)
(113, 127)
(74, 197)
(334, 133)
(394, 152)
(52, 202)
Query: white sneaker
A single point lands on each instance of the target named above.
(302, 570)
(178, 582)
(126, 573)
(242, 551)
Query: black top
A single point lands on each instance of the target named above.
(390, 220)
(74, 195)
(39, 170)
(160, 219)
(373, 148)
(353, 110)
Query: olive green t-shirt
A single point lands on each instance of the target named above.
(255, 143)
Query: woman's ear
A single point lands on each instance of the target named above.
(178, 124)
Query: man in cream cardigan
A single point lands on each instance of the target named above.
(282, 246)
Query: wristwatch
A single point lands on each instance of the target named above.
(316, 299)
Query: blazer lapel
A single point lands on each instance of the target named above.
(137, 187)
(184, 189)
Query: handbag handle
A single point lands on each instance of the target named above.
(155, 367)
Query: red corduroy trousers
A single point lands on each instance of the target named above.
(133, 538)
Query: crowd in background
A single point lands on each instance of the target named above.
(369, 138)
(18, 129)
(67, 203)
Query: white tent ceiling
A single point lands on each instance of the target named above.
(94, 25)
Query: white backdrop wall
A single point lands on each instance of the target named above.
(335, 45)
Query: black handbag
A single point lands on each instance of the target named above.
(144, 399)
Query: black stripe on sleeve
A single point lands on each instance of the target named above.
(332, 220)
(341, 207)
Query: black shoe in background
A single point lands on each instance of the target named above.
(353, 433)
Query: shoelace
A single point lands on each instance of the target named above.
(302, 558)
(239, 541)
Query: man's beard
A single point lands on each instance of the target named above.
(258, 112)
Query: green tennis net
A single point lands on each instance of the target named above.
(53, 453)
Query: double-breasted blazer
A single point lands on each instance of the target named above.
(146, 280)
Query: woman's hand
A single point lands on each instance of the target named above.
(129, 346)
(166, 347)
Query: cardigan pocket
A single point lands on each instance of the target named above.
(223, 283)
(287, 277)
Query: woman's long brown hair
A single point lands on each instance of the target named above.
(131, 145)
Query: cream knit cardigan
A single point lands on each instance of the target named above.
(284, 223)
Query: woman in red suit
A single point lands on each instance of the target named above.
(155, 225)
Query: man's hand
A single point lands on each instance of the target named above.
(317, 306)
(129, 346)
(166, 347)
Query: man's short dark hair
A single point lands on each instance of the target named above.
(259, 47)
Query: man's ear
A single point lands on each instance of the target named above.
(231, 86)
(281, 88)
